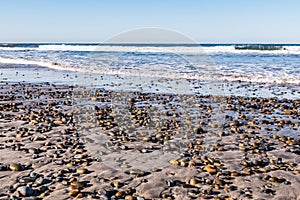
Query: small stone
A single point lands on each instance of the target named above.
(170, 182)
(144, 151)
(129, 197)
(123, 147)
(103, 197)
(73, 192)
(193, 182)
(210, 169)
(174, 162)
(218, 181)
(81, 171)
(33, 174)
(79, 196)
(57, 122)
(3, 167)
(15, 167)
(287, 183)
(35, 156)
(214, 125)
(221, 133)
(77, 184)
(273, 179)
(43, 195)
(25, 191)
(246, 172)
(40, 180)
(116, 184)
(131, 100)
(287, 112)
(136, 172)
(119, 194)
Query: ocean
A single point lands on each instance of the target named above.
(155, 67)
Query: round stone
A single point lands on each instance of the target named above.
(15, 167)
(25, 191)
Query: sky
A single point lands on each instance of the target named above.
(204, 21)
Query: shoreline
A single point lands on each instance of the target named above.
(56, 144)
(41, 75)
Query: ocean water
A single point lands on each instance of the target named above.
(114, 65)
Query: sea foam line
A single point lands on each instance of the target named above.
(36, 63)
(159, 49)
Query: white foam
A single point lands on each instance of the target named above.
(146, 49)
(170, 68)
(202, 74)
(18, 48)
(36, 63)
(167, 49)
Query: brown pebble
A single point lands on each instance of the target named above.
(193, 182)
(77, 184)
(273, 179)
(69, 164)
(174, 162)
(214, 125)
(94, 98)
(79, 150)
(43, 195)
(116, 184)
(210, 169)
(81, 171)
(246, 172)
(73, 192)
(119, 194)
(128, 197)
(57, 122)
(15, 167)
(79, 196)
(234, 174)
(191, 163)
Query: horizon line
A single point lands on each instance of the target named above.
(142, 43)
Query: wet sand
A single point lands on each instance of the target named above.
(62, 142)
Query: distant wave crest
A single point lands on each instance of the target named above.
(184, 49)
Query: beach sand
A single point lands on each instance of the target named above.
(61, 142)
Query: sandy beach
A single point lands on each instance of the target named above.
(150, 100)
(61, 142)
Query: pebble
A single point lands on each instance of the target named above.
(15, 167)
(244, 126)
(81, 171)
(104, 197)
(210, 169)
(136, 172)
(40, 180)
(129, 197)
(170, 183)
(73, 192)
(25, 191)
(119, 194)
(3, 167)
(193, 182)
(174, 162)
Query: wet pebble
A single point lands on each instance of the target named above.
(25, 191)
(3, 167)
(82, 171)
(136, 172)
(15, 167)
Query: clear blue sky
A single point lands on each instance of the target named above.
(206, 21)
